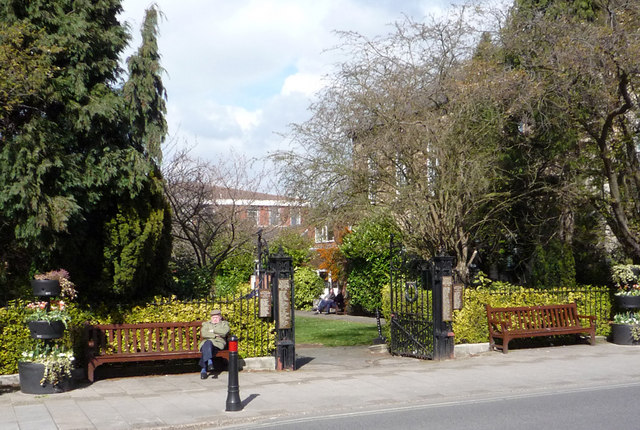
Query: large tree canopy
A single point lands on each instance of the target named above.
(74, 157)
(500, 140)
(411, 125)
(586, 57)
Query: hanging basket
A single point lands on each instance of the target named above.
(46, 329)
(627, 302)
(45, 287)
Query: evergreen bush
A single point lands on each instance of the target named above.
(367, 252)
(255, 337)
(470, 323)
(308, 286)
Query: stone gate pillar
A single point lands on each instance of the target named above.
(283, 294)
(442, 307)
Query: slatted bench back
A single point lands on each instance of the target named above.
(144, 338)
(532, 318)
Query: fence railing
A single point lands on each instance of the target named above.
(255, 334)
(252, 329)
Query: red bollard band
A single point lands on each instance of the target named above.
(233, 344)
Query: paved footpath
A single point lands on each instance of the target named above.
(342, 380)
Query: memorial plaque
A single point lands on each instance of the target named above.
(458, 294)
(265, 303)
(284, 303)
(447, 299)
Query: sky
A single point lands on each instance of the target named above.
(238, 72)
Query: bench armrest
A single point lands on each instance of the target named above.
(503, 325)
(591, 318)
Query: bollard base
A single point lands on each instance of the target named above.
(379, 340)
(233, 405)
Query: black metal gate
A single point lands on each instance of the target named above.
(421, 292)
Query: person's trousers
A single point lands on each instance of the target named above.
(326, 305)
(208, 350)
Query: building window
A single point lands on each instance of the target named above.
(274, 216)
(295, 217)
(324, 234)
(252, 216)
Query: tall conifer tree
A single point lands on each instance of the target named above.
(70, 163)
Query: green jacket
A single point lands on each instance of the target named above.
(217, 333)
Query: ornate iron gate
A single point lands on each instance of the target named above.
(420, 324)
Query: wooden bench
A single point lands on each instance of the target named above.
(120, 343)
(531, 321)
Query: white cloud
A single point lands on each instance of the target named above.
(305, 83)
(238, 72)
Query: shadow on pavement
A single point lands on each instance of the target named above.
(301, 361)
(248, 400)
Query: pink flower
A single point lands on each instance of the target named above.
(58, 305)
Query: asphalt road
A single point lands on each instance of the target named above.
(594, 408)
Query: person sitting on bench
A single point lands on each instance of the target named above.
(213, 339)
(339, 301)
(327, 302)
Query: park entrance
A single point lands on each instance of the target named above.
(423, 295)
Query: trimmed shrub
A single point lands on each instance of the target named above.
(470, 323)
(386, 310)
(308, 286)
(255, 337)
(14, 335)
(16, 338)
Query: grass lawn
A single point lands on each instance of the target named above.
(332, 332)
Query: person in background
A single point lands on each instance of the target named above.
(339, 300)
(213, 339)
(327, 302)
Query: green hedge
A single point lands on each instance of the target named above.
(255, 337)
(15, 336)
(470, 323)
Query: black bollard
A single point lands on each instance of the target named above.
(233, 392)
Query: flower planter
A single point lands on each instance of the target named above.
(45, 287)
(46, 329)
(30, 375)
(627, 302)
(621, 334)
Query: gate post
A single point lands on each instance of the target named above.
(282, 291)
(442, 284)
